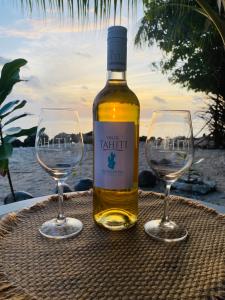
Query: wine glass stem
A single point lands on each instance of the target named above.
(60, 218)
(165, 217)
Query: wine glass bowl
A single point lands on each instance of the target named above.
(169, 152)
(59, 149)
(169, 162)
(59, 156)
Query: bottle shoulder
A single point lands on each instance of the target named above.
(116, 92)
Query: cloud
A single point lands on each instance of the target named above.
(48, 101)
(27, 34)
(36, 29)
(159, 100)
(83, 54)
(84, 100)
(3, 60)
(197, 100)
(33, 81)
(33, 29)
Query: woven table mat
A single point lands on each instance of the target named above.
(100, 264)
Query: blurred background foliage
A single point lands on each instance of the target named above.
(191, 34)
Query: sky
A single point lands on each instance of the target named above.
(67, 65)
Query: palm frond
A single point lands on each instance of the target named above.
(214, 17)
(103, 9)
(221, 3)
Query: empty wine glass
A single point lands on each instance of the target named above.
(59, 149)
(169, 152)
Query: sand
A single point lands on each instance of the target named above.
(27, 175)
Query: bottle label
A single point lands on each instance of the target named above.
(114, 154)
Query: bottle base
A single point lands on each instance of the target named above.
(115, 220)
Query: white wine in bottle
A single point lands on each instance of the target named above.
(116, 112)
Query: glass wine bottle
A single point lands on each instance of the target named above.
(116, 113)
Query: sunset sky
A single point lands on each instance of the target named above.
(67, 65)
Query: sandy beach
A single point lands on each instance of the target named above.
(27, 175)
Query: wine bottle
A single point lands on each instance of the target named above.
(116, 113)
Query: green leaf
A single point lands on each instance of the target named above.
(11, 69)
(24, 132)
(10, 76)
(12, 130)
(20, 105)
(4, 166)
(15, 118)
(214, 17)
(8, 106)
(5, 151)
(9, 138)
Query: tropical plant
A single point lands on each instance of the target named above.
(211, 9)
(194, 54)
(103, 8)
(9, 77)
(213, 15)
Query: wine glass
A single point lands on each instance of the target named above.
(59, 149)
(169, 152)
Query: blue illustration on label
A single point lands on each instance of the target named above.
(111, 160)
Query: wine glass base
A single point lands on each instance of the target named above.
(61, 230)
(165, 231)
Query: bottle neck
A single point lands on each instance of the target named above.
(117, 77)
